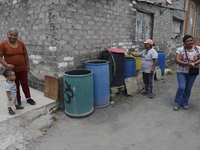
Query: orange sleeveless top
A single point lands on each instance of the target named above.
(14, 56)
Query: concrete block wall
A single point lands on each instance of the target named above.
(162, 30)
(61, 35)
(176, 4)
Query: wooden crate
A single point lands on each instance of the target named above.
(117, 89)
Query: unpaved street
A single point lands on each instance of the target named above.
(139, 124)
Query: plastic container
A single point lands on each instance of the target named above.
(78, 92)
(129, 67)
(138, 61)
(117, 79)
(101, 77)
(161, 61)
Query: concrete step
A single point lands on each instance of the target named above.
(18, 132)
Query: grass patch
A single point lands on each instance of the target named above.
(54, 118)
(170, 73)
(122, 98)
(54, 111)
(23, 124)
(44, 130)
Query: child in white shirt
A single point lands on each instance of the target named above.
(11, 91)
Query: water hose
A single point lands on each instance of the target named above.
(112, 60)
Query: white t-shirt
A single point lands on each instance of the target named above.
(192, 56)
(11, 87)
(148, 60)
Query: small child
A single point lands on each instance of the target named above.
(11, 91)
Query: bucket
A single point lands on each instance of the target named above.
(78, 92)
(138, 61)
(129, 67)
(101, 82)
(161, 61)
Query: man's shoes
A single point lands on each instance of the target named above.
(19, 107)
(145, 93)
(151, 95)
(31, 101)
(175, 108)
(184, 107)
(11, 112)
(19, 101)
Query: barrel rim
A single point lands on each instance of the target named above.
(130, 58)
(84, 75)
(80, 115)
(89, 62)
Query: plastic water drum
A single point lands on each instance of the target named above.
(78, 92)
(161, 61)
(129, 67)
(117, 79)
(101, 77)
(138, 61)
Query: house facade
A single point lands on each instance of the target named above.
(193, 20)
(61, 35)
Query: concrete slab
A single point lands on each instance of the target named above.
(38, 97)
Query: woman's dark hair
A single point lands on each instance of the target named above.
(152, 45)
(7, 73)
(186, 37)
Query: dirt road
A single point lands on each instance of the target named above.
(139, 124)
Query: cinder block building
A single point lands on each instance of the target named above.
(62, 34)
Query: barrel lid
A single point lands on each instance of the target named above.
(116, 50)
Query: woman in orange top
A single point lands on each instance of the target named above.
(16, 59)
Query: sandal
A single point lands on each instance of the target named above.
(175, 108)
(184, 107)
(11, 112)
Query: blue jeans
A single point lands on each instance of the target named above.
(185, 83)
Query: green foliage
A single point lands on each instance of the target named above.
(54, 118)
(170, 73)
(23, 124)
(122, 98)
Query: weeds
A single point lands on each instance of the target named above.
(122, 98)
(23, 123)
(54, 118)
(170, 73)
(44, 130)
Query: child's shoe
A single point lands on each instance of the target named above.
(11, 112)
(19, 107)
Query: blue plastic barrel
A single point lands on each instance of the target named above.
(101, 77)
(161, 61)
(78, 92)
(129, 67)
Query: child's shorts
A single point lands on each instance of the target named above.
(12, 102)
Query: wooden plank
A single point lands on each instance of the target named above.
(51, 88)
